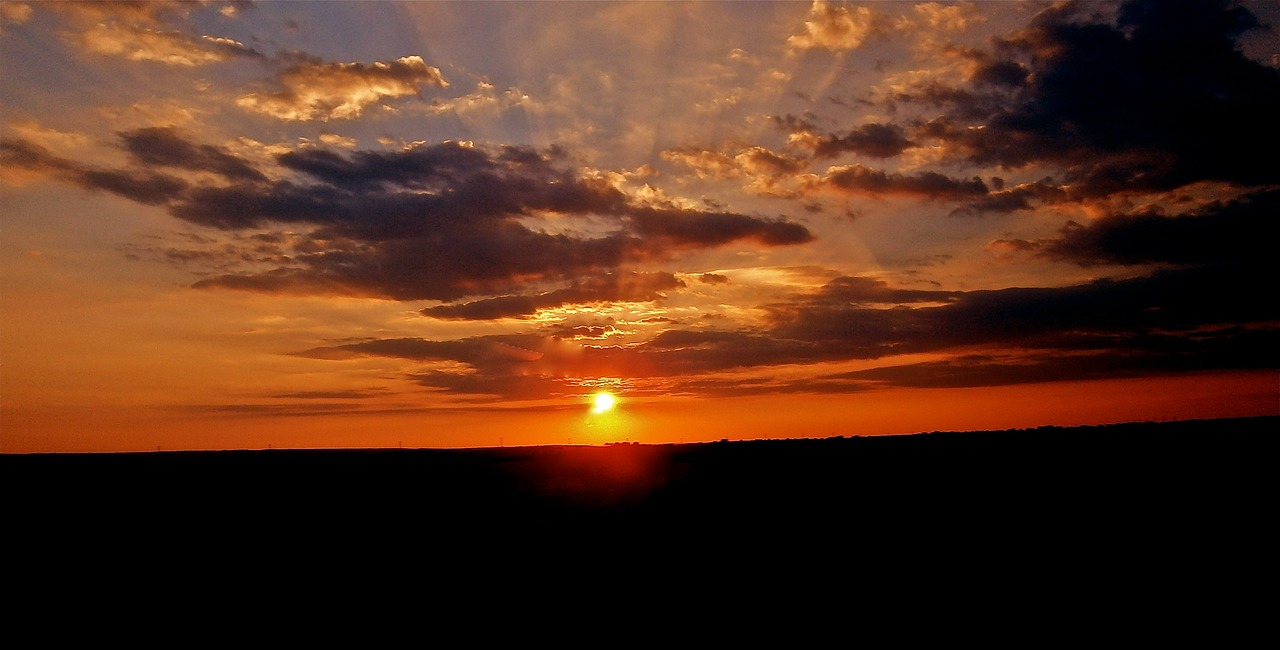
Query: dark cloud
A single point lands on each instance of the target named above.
(437, 222)
(431, 168)
(442, 222)
(481, 351)
(1159, 99)
(681, 228)
(537, 366)
(1097, 315)
(1171, 321)
(162, 146)
(1022, 197)
(874, 140)
(860, 179)
(498, 367)
(1237, 233)
(144, 186)
(494, 387)
(1009, 74)
(969, 371)
(855, 290)
(791, 123)
(677, 353)
(1232, 349)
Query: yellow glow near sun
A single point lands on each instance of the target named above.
(603, 402)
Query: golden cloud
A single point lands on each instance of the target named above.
(141, 32)
(835, 28)
(314, 89)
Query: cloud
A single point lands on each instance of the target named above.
(1170, 321)
(611, 287)
(1098, 316)
(312, 89)
(150, 148)
(21, 153)
(874, 140)
(147, 188)
(169, 47)
(143, 186)
(835, 27)
(15, 12)
(706, 164)
(759, 161)
(1239, 232)
(767, 172)
(1157, 100)
(863, 180)
(509, 367)
(162, 146)
(439, 222)
(422, 167)
(670, 228)
(484, 368)
(1022, 197)
(954, 17)
(484, 98)
(144, 31)
(1225, 351)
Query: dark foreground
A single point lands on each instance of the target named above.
(1168, 509)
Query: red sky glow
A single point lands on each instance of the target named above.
(234, 225)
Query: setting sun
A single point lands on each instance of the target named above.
(603, 402)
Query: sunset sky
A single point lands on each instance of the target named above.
(450, 224)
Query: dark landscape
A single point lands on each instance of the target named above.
(1176, 475)
(1174, 513)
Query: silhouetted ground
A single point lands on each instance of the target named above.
(1171, 510)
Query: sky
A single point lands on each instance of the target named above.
(242, 225)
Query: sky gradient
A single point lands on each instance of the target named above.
(449, 224)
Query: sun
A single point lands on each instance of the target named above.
(603, 402)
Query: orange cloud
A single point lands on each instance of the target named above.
(142, 32)
(15, 12)
(950, 17)
(174, 48)
(835, 28)
(313, 89)
(767, 172)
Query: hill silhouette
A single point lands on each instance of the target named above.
(1120, 471)
(1150, 508)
